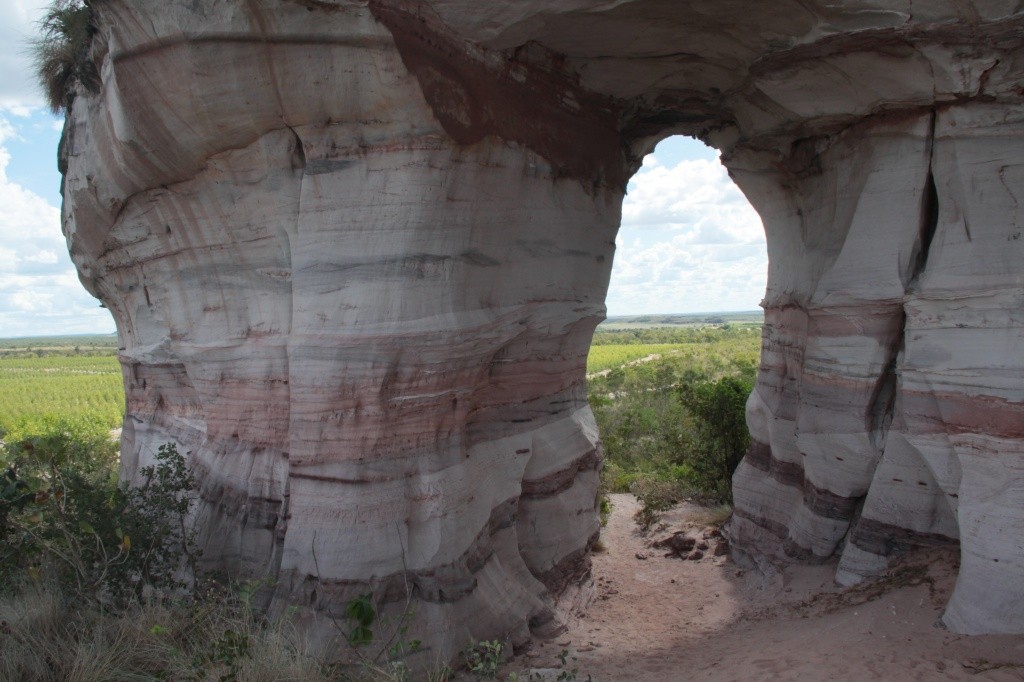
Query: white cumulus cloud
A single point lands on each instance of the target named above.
(689, 242)
(39, 289)
(44, 257)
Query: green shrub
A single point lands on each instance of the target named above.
(604, 508)
(484, 658)
(63, 515)
(721, 435)
(616, 479)
(640, 430)
(656, 495)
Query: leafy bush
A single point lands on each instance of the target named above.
(91, 547)
(63, 514)
(604, 508)
(721, 436)
(655, 495)
(484, 658)
(157, 512)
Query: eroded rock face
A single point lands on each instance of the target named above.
(889, 391)
(356, 252)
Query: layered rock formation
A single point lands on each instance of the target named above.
(356, 252)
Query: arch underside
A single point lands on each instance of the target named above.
(356, 252)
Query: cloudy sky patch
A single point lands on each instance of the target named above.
(690, 242)
(39, 289)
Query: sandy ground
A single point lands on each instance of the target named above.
(664, 618)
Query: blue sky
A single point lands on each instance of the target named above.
(689, 241)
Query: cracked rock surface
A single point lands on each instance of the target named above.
(356, 252)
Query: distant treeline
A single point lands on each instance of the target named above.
(651, 335)
(755, 316)
(49, 346)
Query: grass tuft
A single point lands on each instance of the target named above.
(46, 636)
(59, 51)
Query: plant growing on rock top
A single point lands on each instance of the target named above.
(60, 51)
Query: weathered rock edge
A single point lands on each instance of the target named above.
(356, 252)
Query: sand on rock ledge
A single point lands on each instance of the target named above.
(664, 618)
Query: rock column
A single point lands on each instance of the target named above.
(888, 409)
(361, 300)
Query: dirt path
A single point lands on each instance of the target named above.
(670, 619)
(639, 361)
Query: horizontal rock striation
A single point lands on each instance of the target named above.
(356, 252)
(370, 335)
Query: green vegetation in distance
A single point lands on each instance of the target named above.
(608, 357)
(39, 346)
(673, 421)
(108, 341)
(752, 317)
(36, 389)
(617, 347)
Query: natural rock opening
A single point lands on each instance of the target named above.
(689, 242)
(356, 252)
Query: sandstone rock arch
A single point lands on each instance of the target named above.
(356, 251)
